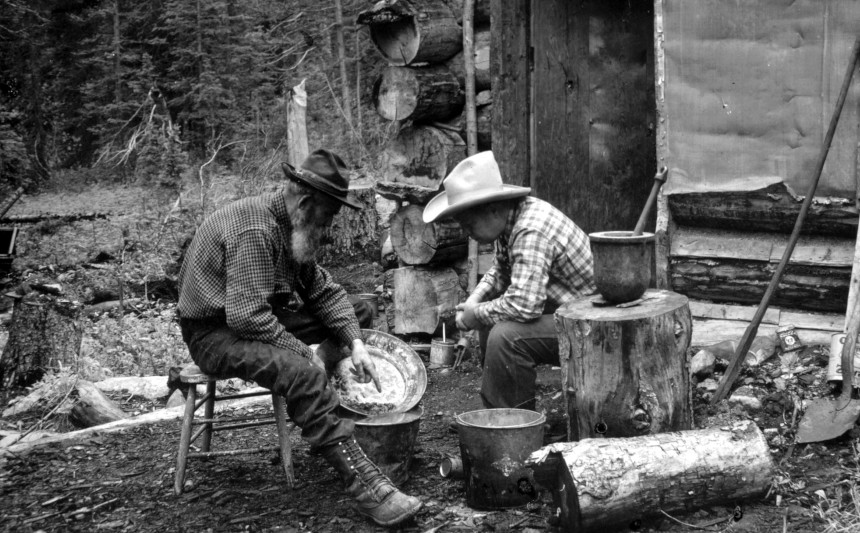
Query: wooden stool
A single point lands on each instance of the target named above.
(625, 370)
(192, 375)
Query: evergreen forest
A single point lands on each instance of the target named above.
(141, 91)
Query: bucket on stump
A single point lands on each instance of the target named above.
(388, 440)
(622, 264)
(494, 446)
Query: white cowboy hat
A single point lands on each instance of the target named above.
(475, 180)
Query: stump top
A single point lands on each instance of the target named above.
(655, 302)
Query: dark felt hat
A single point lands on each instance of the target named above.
(326, 172)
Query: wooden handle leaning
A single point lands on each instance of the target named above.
(659, 180)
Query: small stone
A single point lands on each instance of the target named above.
(702, 364)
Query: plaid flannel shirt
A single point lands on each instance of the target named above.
(239, 265)
(542, 258)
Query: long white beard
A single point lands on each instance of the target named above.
(306, 240)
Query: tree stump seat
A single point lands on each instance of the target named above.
(626, 370)
(209, 424)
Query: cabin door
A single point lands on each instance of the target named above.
(593, 109)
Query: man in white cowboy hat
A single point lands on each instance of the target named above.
(543, 260)
(248, 264)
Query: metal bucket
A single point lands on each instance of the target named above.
(834, 364)
(442, 352)
(389, 440)
(494, 445)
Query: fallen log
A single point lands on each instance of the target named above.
(421, 155)
(417, 94)
(418, 243)
(71, 217)
(608, 484)
(406, 33)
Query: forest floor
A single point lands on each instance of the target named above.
(123, 481)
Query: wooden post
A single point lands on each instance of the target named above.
(471, 120)
(625, 370)
(297, 131)
(608, 484)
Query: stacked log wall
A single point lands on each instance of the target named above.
(422, 89)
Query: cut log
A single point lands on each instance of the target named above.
(484, 123)
(626, 370)
(483, 80)
(404, 192)
(93, 408)
(482, 10)
(406, 33)
(608, 484)
(419, 243)
(417, 94)
(354, 233)
(773, 208)
(45, 335)
(423, 298)
(421, 155)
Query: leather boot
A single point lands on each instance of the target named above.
(376, 496)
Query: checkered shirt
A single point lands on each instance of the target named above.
(542, 257)
(240, 264)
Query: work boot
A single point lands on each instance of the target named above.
(376, 496)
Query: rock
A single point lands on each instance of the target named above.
(747, 399)
(708, 385)
(702, 364)
(176, 399)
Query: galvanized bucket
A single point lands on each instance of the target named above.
(389, 441)
(494, 445)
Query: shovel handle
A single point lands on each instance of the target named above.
(659, 180)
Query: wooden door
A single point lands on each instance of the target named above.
(593, 110)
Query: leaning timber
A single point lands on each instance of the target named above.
(421, 155)
(417, 94)
(609, 484)
(407, 33)
(418, 243)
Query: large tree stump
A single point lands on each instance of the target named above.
(406, 33)
(608, 484)
(45, 335)
(625, 370)
(354, 233)
(418, 94)
(421, 155)
(418, 243)
(423, 297)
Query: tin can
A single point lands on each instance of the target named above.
(788, 339)
(834, 364)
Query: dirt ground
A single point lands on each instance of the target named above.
(124, 481)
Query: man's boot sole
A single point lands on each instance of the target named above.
(392, 522)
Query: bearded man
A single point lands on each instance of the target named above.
(246, 268)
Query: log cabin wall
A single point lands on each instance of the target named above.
(745, 94)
